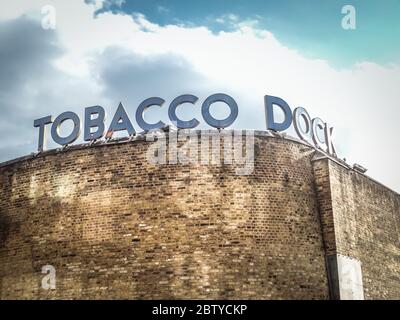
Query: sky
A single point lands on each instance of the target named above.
(102, 52)
(308, 25)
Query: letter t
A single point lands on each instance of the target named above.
(41, 124)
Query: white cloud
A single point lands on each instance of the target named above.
(361, 102)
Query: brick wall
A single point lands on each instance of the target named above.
(115, 226)
(366, 220)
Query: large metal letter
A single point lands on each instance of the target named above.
(94, 123)
(55, 129)
(328, 140)
(186, 98)
(219, 97)
(155, 101)
(297, 113)
(317, 123)
(270, 101)
(41, 124)
(120, 122)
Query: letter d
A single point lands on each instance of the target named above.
(270, 101)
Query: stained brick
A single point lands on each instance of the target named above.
(116, 227)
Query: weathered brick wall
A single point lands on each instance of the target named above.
(361, 219)
(324, 196)
(368, 216)
(115, 226)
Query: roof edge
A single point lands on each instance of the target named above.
(318, 155)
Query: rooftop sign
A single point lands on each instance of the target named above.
(313, 131)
